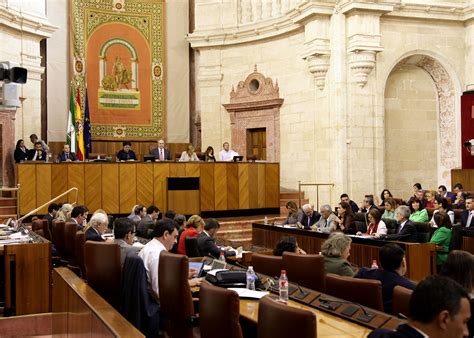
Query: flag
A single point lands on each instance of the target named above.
(71, 123)
(87, 128)
(79, 128)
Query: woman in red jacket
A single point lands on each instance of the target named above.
(194, 227)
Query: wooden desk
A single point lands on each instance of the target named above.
(117, 187)
(419, 256)
(327, 326)
(27, 276)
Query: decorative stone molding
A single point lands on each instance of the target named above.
(26, 23)
(210, 74)
(361, 64)
(255, 103)
(318, 65)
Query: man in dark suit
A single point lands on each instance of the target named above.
(368, 204)
(160, 153)
(52, 212)
(443, 192)
(66, 155)
(394, 267)
(439, 308)
(206, 242)
(97, 226)
(345, 198)
(37, 154)
(467, 216)
(310, 216)
(406, 230)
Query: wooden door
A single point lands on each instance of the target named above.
(257, 143)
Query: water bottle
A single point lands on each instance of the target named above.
(374, 264)
(283, 287)
(222, 257)
(251, 278)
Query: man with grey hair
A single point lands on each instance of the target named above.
(406, 230)
(326, 223)
(97, 227)
(309, 217)
(160, 153)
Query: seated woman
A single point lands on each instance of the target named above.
(384, 195)
(209, 155)
(459, 266)
(418, 213)
(97, 227)
(390, 209)
(345, 221)
(442, 237)
(21, 153)
(126, 153)
(376, 226)
(287, 243)
(336, 249)
(189, 155)
(441, 204)
(194, 227)
(295, 214)
(430, 198)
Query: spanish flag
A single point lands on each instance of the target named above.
(79, 129)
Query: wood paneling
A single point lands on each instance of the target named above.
(232, 186)
(243, 186)
(185, 202)
(110, 188)
(161, 171)
(207, 187)
(220, 186)
(75, 174)
(117, 187)
(27, 181)
(93, 187)
(43, 186)
(145, 184)
(127, 187)
(463, 176)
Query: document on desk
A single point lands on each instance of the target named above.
(246, 293)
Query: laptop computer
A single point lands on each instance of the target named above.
(198, 266)
(238, 158)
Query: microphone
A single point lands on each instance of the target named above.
(332, 304)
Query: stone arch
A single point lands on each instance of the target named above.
(448, 90)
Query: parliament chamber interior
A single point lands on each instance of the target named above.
(237, 168)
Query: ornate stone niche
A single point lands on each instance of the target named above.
(255, 104)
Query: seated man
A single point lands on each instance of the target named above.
(394, 267)
(326, 223)
(37, 154)
(367, 204)
(126, 153)
(53, 209)
(164, 237)
(345, 198)
(439, 308)
(309, 217)
(66, 155)
(97, 226)
(443, 192)
(207, 243)
(467, 215)
(406, 230)
(227, 154)
(145, 225)
(78, 216)
(138, 213)
(123, 236)
(160, 153)
(34, 138)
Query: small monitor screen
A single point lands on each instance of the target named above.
(149, 158)
(238, 158)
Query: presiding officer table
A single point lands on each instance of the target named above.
(420, 257)
(117, 187)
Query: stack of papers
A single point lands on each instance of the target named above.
(247, 293)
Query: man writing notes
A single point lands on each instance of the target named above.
(227, 154)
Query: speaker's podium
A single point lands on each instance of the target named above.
(183, 195)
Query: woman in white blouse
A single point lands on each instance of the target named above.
(188, 155)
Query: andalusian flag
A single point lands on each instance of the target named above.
(71, 123)
(79, 129)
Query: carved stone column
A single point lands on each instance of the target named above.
(255, 104)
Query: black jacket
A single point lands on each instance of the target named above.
(407, 234)
(207, 246)
(71, 156)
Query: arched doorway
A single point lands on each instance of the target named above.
(421, 144)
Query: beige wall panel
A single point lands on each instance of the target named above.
(160, 174)
(272, 186)
(75, 175)
(128, 187)
(220, 186)
(27, 177)
(206, 185)
(253, 186)
(193, 169)
(59, 180)
(43, 186)
(232, 186)
(261, 185)
(145, 184)
(177, 170)
(93, 186)
(110, 187)
(243, 185)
